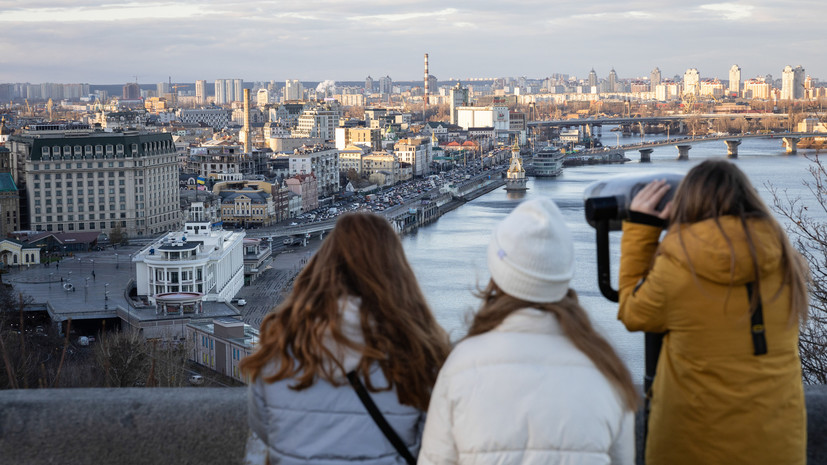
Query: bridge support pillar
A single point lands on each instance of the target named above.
(732, 148)
(791, 144)
(683, 151)
(321, 235)
(645, 155)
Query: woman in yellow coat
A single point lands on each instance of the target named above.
(728, 290)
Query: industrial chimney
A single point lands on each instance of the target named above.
(426, 85)
(246, 130)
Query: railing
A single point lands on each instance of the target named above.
(182, 425)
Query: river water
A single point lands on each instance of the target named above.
(448, 256)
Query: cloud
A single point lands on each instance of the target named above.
(406, 16)
(90, 13)
(728, 11)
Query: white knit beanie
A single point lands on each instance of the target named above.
(531, 254)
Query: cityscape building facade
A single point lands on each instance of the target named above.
(78, 180)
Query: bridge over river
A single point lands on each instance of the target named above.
(684, 144)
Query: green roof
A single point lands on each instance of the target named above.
(7, 183)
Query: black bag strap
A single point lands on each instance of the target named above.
(379, 419)
(756, 327)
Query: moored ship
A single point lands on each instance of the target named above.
(548, 162)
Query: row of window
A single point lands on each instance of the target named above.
(89, 165)
(80, 226)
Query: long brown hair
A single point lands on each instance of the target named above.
(716, 188)
(362, 257)
(497, 305)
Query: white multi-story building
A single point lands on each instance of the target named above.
(757, 89)
(322, 162)
(78, 180)
(198, 264)
(262, 97)
(792, 83)
(293, 90)
(318, 122)
(201, 92)
(735, 81)
(691, 81)
(416, 152)
(238, 90)
(712, 88)
(668, 90)
(221, 343)
(484, 117)
(350, 158)
(458, 98)
(220, 92)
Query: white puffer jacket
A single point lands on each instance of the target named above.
(523, 394)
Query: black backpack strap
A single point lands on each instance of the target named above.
(379, 419)
(759, 341)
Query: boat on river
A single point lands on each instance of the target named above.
(548, 162)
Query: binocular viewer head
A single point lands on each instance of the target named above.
(609, 199)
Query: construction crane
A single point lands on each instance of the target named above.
(28, 108)
(50, 107)
(175, 88)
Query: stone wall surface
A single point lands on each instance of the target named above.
(180, 426)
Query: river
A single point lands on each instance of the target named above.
(448, 256)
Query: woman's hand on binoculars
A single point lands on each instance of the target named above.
(646, 201)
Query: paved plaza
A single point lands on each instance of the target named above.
(94, 284)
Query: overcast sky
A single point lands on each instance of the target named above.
(110, 42)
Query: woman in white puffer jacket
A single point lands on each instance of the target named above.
(533, 382)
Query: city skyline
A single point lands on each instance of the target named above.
(103, 43)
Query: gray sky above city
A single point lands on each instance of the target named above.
(110, 42)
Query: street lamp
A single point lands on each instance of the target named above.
(106, 296)
(51, 275)
(86, 290)
(117, 263)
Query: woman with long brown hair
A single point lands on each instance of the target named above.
(356, 307)
(533, 382)
(728, 290)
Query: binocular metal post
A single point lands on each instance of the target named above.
(652, 341)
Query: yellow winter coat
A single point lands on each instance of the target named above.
(713, 401)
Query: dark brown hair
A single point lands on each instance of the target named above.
(497, 305)
(716, 188)
(362, 257)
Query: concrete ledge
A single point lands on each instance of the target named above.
(124, 426)
(180, 426)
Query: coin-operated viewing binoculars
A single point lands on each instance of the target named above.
(607, 205)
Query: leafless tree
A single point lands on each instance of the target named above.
(809, 234)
